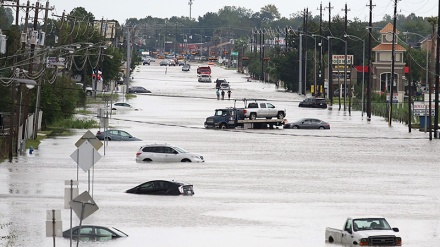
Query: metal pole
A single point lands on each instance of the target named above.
(300, 65)
(363, 76)
(314, 56)
(345, 77)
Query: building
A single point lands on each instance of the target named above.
(381, 70)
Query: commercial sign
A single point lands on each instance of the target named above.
(340, 59)
(421, 108)
(52, 62)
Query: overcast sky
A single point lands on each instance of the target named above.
(121, 10)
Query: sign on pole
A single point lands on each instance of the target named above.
(86, 156)
(54, 225)
(83, 205)
(89, 136)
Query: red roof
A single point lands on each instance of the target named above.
(364, 69)
(388, 47)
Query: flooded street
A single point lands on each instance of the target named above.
(257, 188)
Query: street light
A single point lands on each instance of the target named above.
(363, 65)
(29, 84)
(329, 87)
(345, 72)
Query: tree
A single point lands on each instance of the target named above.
(269, 13)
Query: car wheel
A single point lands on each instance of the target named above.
(147, 160)
(330, 240)
(253, 116)
(280, 115)
(222, 126)
(295, 127)
(321, 127)
(88, 93)
(186, 160)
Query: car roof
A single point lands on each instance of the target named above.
(172, 181)
(157, 144)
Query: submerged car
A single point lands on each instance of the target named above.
(186, 67)
(313, 103)
(137, 89)
(307, 123)
(115, 135)
(162, 187)
(166, 153)
(164, 63)
(123, 106)
(94, 233)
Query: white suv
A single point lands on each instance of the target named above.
(166, 153)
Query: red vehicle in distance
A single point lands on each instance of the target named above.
(206, 70)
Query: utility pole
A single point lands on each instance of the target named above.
(370, 64)
(410, 89)
(262, 59)
(437, 71)
(127, 72)
(330, 58)
(345, 63)
(306, 31)
(190, 3)
(320, 81)
(393, 48)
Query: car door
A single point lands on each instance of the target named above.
(262, 112)
(124, 136)
(347, 237)
(306, 124)
(158, 154)
(171, 155)
(271, 110)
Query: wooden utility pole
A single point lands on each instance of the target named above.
(409, 89)
(393, 51)
(320, 80)
(370, 64)
(437, 71)
(330, 67)
(346, 89)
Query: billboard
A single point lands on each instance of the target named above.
(340, 59)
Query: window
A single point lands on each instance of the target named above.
(124, 134)
(103, 232)
(269, 105)
(114, 132)
(147, 149)
(262, 105)
(347, 225)
(168, 150)
(85, 230)
(148, 185)
(253, 105)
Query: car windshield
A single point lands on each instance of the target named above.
(370, 224)
(180, 150)
(121, 233)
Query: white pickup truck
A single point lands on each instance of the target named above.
(261, 109)
(364, 231)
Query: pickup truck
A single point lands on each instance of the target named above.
(204, 70)
(260, 109)
(364, 231)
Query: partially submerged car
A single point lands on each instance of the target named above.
(163, 187)
(94, 233)
(115, 135)
(307, 123)
(166, 153)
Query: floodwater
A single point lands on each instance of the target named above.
(257, 187)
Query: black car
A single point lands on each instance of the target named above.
(336, 92)
(92, 232)
(314, 103)
(162, 187)
(137, 89)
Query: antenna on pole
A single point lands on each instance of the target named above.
(190, 3)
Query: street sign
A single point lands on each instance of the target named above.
(83, 205)
(54, 224)
(89, 136)
(234, 53)
(86, 156)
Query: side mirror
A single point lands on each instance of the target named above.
(395, 229)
